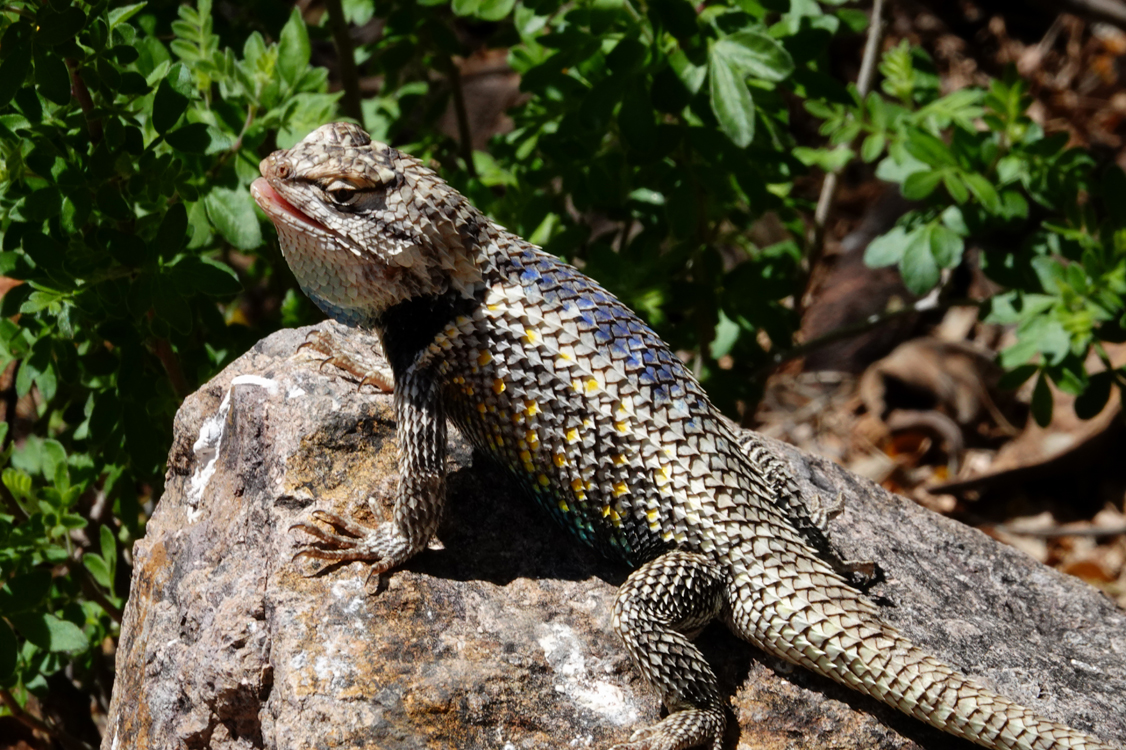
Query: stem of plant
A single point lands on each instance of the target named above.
(815, 239)
(346, 60)
(464, 136)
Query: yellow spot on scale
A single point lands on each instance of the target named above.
(563, 506)
(530, 336)
(481, 408)
(619, 459)
(566, 357)
(577, 484)
(591, 385)
(469, 390)
(560, 460)
(577, 385)
(484, 359)
(532, 437)
(543, 480)
(620, 488)
(572, 435)
(526, 457)
(606, 510)
(531, 408)
(493, 307)
(622, 426)
(498, 386)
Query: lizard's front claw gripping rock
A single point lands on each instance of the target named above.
(546, 371)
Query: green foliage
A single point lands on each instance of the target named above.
(1048, 222)
(123, 195)
(650, 138)
(671, 126)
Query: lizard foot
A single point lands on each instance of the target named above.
(693, 727)
(349, 541)
(324, 343)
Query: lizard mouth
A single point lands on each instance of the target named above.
(276, 207)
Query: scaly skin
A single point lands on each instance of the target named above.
(546, 371)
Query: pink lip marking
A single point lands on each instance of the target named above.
(272, 202)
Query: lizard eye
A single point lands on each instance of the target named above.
(342, 193)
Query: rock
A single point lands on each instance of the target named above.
(500, 637)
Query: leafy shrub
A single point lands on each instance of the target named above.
(651, 138)
(124, 209)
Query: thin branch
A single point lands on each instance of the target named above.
(464, 136)
(36, 724)
(1056, 531)
(926, 304)
(1109, 11)
(163, 351)
(816, 237)
(346, 59)
(82, 94)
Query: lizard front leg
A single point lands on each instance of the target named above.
(421, 493)
(660, 607)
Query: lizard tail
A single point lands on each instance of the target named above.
(890, 668)
(819, 622)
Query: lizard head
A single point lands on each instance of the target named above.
(364, 226)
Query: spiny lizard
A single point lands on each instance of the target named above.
(548, 373)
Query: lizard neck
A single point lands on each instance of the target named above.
(412, 325)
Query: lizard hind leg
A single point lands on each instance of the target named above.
(660, 607)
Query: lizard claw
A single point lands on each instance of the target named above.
(351, 541)
(323, 343)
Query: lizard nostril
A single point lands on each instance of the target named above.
(282, 171)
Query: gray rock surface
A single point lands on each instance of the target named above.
(499, 636)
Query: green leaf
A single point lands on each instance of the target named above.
(984, 191)
(98, 569)
(293, 49)
(1091, 401)
(494, 10)
(56, 28)
(919, 185)
(172, 97)
(929, 149)
(169, 305)
(749, 53)
(173, 231)
(51, 76)
(124, 13)
(195, 274)
(731, 102)
(9, 651)
(886, 250)
(690, 74)
(193, 138)
(946, 246)
(872, 147)
(109, 549)
(232, 213)
(13, 71)
(918, 267)
(25, 592)
(49, 632)
(1042, 401)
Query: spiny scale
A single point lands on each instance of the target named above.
(546, 371)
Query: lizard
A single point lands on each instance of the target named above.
(590, 411)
